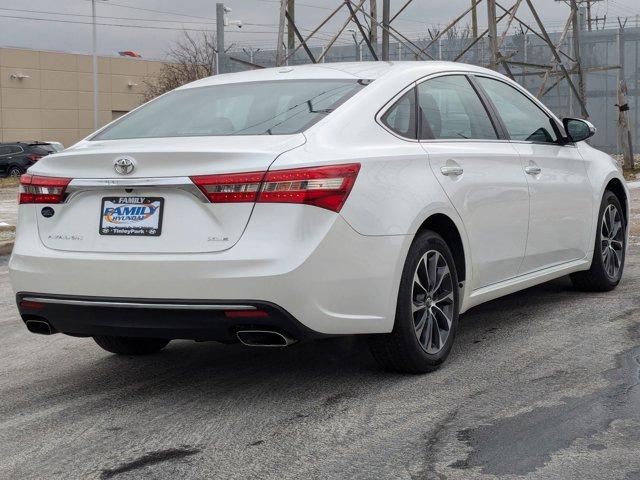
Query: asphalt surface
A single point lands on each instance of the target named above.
(541, 384)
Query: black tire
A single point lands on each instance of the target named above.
(14, 171)
(597, 279)
(131, 345)
(401, 350)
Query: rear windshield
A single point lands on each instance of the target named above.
(42, 149)
(257, 108)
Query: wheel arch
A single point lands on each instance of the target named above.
(15, 164)
(444, 226)
(616, 187)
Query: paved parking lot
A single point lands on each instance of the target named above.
(541, 384)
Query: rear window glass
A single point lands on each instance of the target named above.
(401, 117)
(41, 149)
(257, 108)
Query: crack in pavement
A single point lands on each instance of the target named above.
(150, 458)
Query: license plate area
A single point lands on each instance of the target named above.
(131, 216)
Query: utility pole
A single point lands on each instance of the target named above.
(474, 20)
(219, 60)
(586, 4)
(575, 21)
(291, 34)
(373, 35)
(590, 18)
(386, 7)
(493, 33)
(280, 54)
(624, 130)
(95, 65)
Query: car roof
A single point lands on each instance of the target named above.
(340, 70)
(33, 143)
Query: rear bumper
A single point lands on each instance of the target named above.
(306, 260)
(149, 318)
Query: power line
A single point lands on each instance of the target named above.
(159, 11)
(115, 24)
(269, 28)
(45, 12)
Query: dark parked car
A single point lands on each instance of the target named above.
(16, 157)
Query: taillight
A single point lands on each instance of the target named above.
(325, 187)
(36, 189)
(230, 188)
(33, 158)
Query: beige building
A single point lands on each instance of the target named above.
(49, 95)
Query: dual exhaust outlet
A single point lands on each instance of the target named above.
(264, 338)
(41, 327)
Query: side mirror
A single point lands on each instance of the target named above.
(577, 129)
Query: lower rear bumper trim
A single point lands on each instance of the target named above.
(153, 318)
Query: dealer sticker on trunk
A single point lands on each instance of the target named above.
(138, 216)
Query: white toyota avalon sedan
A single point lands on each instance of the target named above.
(288, 204)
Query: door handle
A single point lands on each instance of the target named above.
(532, 170)
(451, 170)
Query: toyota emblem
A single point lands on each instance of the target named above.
(123, 165)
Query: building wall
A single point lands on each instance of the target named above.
(54, 99)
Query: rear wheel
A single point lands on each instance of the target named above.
(131, 345)
(14, 171)
(609, 249)
(427, 310)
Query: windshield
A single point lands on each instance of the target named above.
(258, 108)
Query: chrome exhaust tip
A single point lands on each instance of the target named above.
(264, 338)
(41, 327)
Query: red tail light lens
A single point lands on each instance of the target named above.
(35, 189)
(32, 305)
(325, 187)
(33, 158)
(230, 188)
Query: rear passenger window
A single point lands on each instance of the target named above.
(451, 109)
(401, 117)
(522, 118)
(39, 151)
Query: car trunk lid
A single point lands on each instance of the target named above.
(155, 207)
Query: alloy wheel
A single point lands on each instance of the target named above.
(432, 301)
(612, 241)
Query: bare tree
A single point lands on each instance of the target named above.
(190, 59)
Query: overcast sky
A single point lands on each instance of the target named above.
(66, 23)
